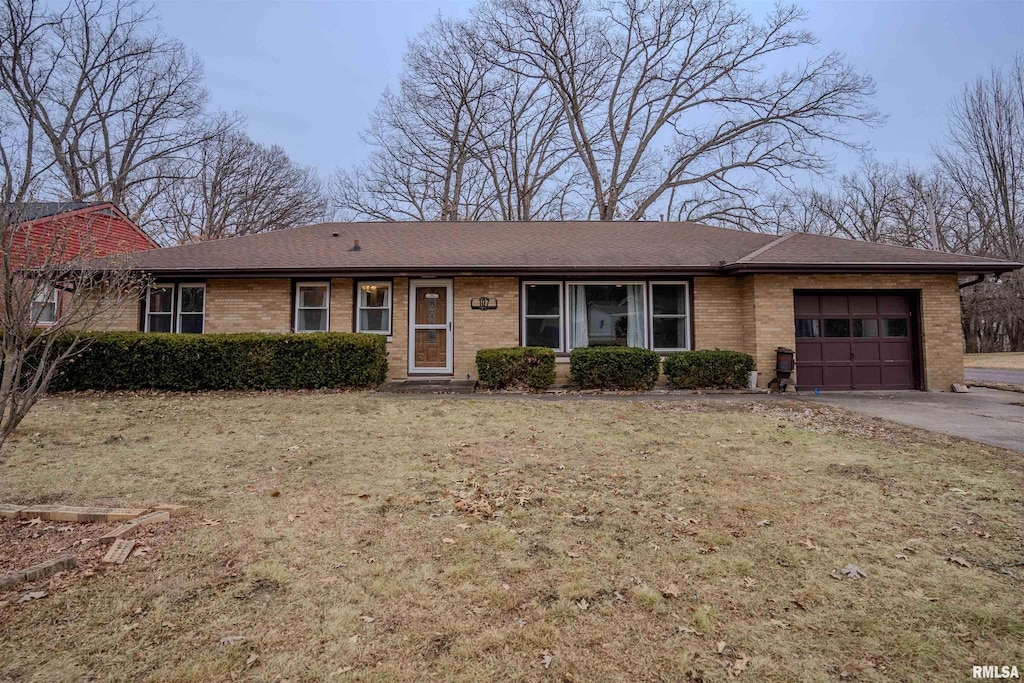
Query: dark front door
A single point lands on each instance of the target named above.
(854, 341)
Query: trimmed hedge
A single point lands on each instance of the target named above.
(532, 366)
(707, 369)
(613, 367)
(187, 362)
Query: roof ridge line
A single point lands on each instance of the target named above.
(760, 250)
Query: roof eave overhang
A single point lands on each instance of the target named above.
(448, 271)
(584, 270)
(894, 268)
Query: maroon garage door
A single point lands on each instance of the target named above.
(854, 341)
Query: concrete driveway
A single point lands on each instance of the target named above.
(986, 415)
(994, 375)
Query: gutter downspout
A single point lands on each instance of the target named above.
(977, 280)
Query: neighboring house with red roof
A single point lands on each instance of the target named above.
(50, 233)
(859, 315)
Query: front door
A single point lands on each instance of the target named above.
(430, 327)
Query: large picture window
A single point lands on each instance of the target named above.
(374, 307)
(570, 315)
(542, 314)
(606, 315)
(312, 301)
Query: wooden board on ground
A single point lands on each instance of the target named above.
(118, 552)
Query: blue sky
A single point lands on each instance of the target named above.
(306, 75)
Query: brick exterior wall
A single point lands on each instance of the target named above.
(398, 346)
(721, 315)
(752, 313)
(121, 318)
(475, 330)
(767, 300)
(342, 305)
(256, 305)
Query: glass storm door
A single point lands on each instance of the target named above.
(430, 327)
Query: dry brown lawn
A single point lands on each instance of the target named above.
(479, 540)
(1001, 361)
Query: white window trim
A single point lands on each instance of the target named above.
(646, 310)
(686, 315)
(326, 307)
(177, 317)
(170, 313)
(561, 311)
(360, 308)
(51, 299)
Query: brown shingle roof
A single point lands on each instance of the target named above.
(571, 246)
(796, 249)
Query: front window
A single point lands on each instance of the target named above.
(606, 315)
(374, 304)
(312, 300)
(542, 314)
(191, 308)
(160, 308)
(669, 320)
(44, 306)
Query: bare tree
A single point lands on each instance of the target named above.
(41, 256)
(668, 94)
(425, 135)
(232, 186)
(115, 101)
(984, 161)
(53, 290)
(462, 139)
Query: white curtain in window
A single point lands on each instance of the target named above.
(579, 337)
(635, 316)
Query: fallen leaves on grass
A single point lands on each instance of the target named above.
(476, 508)
(850, 571)
(738, 665)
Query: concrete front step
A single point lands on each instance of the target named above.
(429, 385)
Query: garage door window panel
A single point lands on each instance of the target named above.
(837, 327)
(808, 327)
(865, 327)
(894, 327)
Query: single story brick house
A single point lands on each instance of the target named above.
(859, 315)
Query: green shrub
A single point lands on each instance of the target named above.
(613, 367)
(186, 362)
(532, 366)
(709, 369)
